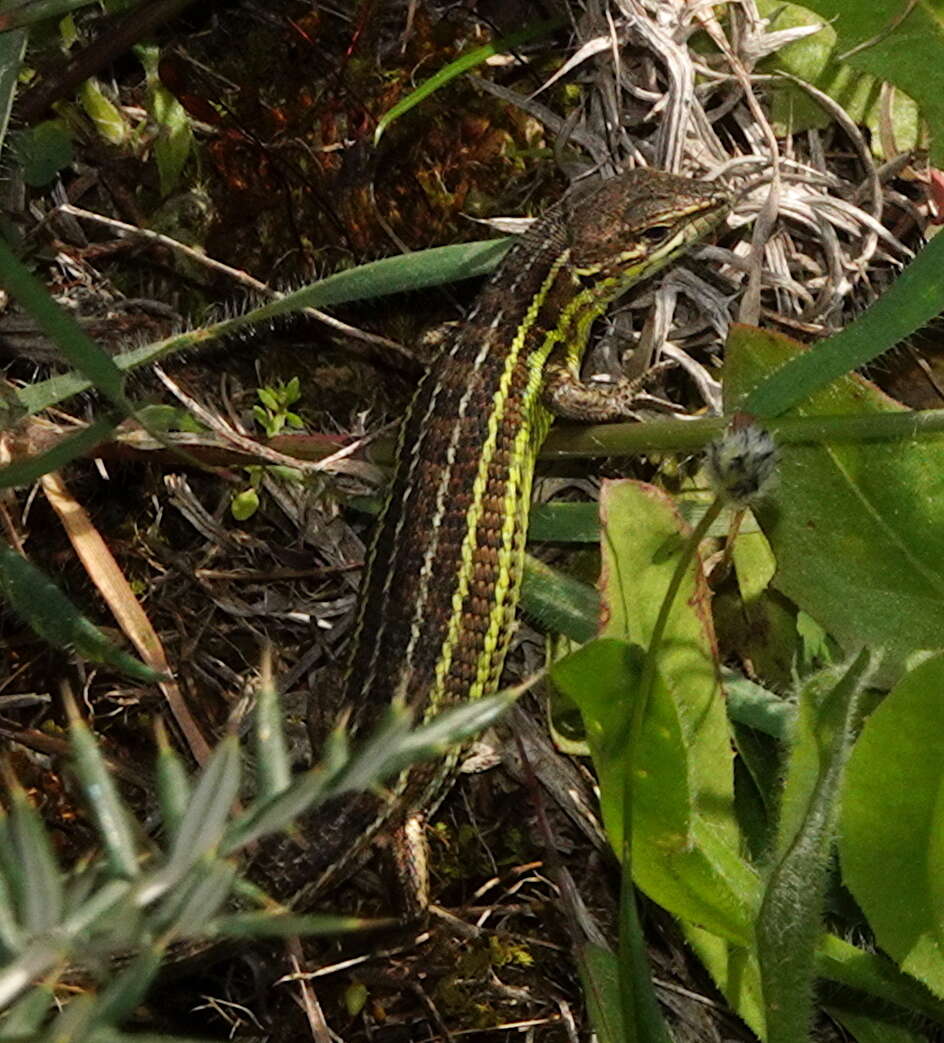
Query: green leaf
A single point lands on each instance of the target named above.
(128, 987)
(188, 906)
(867, 1028)
(600, 978)
(48, 612)
(790, 922)
(815, 59)
(244, 505)
(112, 820)
(42, 151)
(565, 522)
(38, 11)
(285, 925)
(27, 1014)
(559, 602)
(685, 838)
(708, 886)
(913, 299)
(390, 275)
(400, 274)
(107, 118)
(175, 136)
(206, 817)
(643, 538)
(59, 326)
(41, 896)
(901, 43)
(855, 527)
(26, 471)
(460, 66)
(12, 48)
(875, 975)
(752, 705)
(173, 784)
(274, 766)
(892, 830)
(734, 970)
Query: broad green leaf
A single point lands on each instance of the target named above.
(677, 859)
(699, 874)
(42, 151)
(899, 42)
(815, 59)
(642, 541)
(734, 970)
(855, 527)
(892, 828)
(868, 1028)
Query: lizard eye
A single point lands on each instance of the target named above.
(656, 233)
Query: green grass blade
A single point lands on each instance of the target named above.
(915, 298)
(559, 602)
(460, 66)
(59, 326)
(403, 273)
(50, 614)
(12, 48)
(25, 472)
(400, 274)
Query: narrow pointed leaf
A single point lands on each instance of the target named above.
(210, 806)
(790, 922)
(41, 898)
(27, 1014)
(108, 809)
(46, 610)
(273, 766)
(174, 790)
